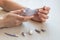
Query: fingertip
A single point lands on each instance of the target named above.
(46, 8)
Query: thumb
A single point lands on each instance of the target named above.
(28, 18)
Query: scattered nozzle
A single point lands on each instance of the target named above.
(30, 32)
(11, 35)
(43, 30)
(37, 30)
(23, 34)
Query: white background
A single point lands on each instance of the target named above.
(52, 24)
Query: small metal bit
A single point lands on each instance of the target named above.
(11, 35)
(37, 31)
(30, 32)
(42, 30)
(23, 34)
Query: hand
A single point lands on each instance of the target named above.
(1, 3)
(41, 15)
(14, 18)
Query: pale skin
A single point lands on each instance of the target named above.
(15, 10)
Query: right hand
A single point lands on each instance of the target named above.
(42, 14)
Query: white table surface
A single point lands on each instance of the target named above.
(52, 25)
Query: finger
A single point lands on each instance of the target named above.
(46, 8)
(43, 20)
(43, 11)
(21, 18)
(40, 10)
(39, 14)
(43, 16)
(17, 11)
(28, 18)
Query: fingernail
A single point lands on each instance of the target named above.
(46, 8)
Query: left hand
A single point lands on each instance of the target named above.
(41, 16)
(14, 19)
